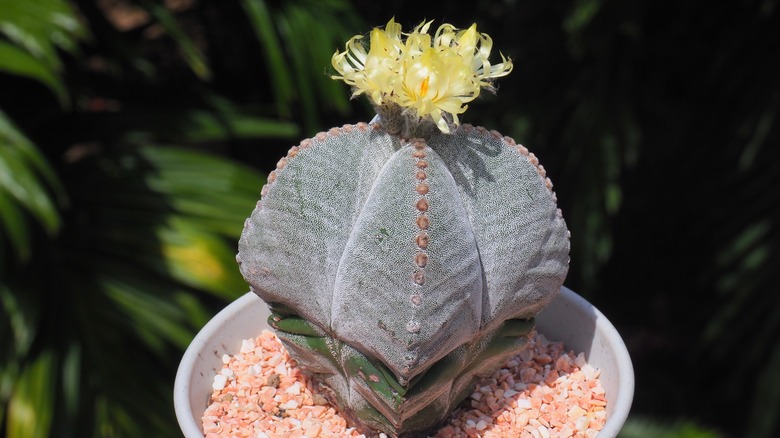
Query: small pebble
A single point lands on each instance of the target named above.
(219, 382)
(543, 392)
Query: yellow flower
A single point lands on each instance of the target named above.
(431, 77)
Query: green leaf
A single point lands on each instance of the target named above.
(153, 315)
(310, 32)
(207, 126)
(16, 61)
(10, 134)
(41, 27)
(175, 213)
(263, 26)
(205, 189)
(38, 28)
(18, 180)
(185, 125)
(196, 314)
(22, 319)
(31, 407)
(200, 260)
(13, 222)
(25, 178)
(71, 379)
(192, 55)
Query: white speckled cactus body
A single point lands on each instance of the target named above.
(401, 270)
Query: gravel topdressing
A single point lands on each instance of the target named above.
(542, 392)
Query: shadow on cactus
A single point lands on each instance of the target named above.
(405, 258)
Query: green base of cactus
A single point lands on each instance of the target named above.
(374, 398)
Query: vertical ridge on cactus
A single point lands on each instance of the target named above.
(401, 270)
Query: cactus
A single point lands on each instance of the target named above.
(406, 258)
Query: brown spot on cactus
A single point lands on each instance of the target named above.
(420, 175)
(523, 150)
(272, 176)
(418, 144)
(346, 128)
(418, 154)
(374, 378)
(416, 299)
(422, 205)
(334, 131)
(281, 163)
(497, 135)
(423, 222)
(419, 277)
(481, 130)
(321, 136)
(293, 152)
(306, 143)
(467, 127)
(422, 240)
(264, 190)
(422, 189)
(533, 159)
(422, 164)
(510, 141)
(548, 183)
(413, 327)
(362, 126)
(542, 171)
(421, 259)
(377, 126)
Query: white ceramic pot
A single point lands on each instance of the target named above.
(569, 318)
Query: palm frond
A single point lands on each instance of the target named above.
(192, 55)
(28, 187)
(298, 39)
(31, 405)
(40, 28)
(133, 275)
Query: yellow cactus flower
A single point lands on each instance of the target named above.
(431, 78)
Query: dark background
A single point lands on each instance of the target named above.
(135, 136)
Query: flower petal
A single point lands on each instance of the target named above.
(436, 77)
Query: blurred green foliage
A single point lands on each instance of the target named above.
(637, 427)
(122, 195)
(134, 136)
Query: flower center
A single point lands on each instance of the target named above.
(435, 76)
(424, 86)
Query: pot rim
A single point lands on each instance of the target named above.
(569, 302)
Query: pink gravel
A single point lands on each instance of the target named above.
(542, 392)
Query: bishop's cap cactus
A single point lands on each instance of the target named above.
(405, 258)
